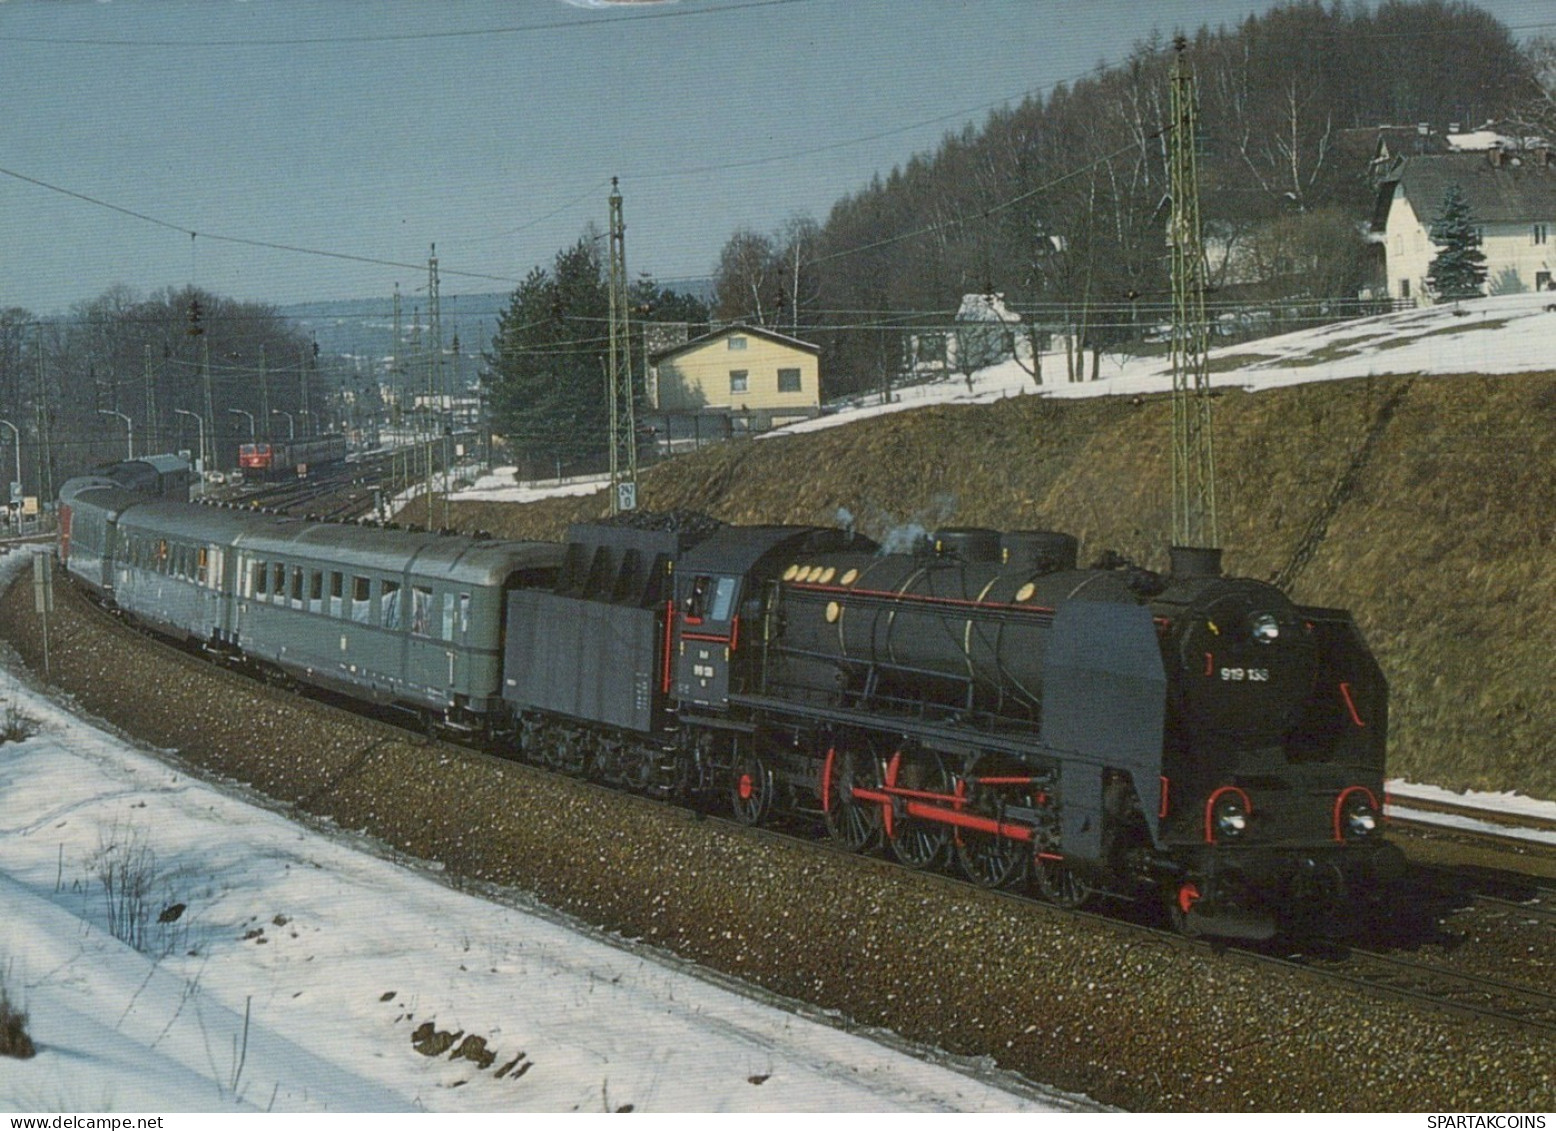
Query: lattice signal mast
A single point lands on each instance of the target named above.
(1193, 456)
(623, 420)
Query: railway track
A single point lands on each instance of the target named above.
(1523, 1008)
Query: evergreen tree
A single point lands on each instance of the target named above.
(546, 368)
(1459, 269)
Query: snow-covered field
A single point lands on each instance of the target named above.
(299, 966)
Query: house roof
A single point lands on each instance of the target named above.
(1519, 189)
(729, 331)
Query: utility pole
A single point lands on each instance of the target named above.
(264, 386)
(208, 417)
(310, 367)
(396, 370)
(434, 373)
(1193, 456)
(45, 454)
(623, 427)
(151, 404)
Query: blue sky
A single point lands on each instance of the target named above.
(374, 128)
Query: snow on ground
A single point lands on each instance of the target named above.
(301, 964)
(1540, 815)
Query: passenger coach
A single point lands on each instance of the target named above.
(412, 620)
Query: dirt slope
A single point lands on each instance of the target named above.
(1425, 505)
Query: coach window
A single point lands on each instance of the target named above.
(421, 610)
(361, 600)
(389, 602)
(337, 592)
(261, 583)
(278, 583)
(316, 591)
(202, 566)
(297, 587)
(451, 629)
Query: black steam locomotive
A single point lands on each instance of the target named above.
(980, 702)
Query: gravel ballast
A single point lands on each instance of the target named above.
(1127, 1019)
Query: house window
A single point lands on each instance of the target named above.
(1404, 288)
(1542, 280)
(1540, 233)
(737, 343)
(788, 380)
(737, 380)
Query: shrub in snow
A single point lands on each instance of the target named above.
(14, 1040)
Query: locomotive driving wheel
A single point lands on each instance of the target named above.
(915, 842)
(1057, 882)
(987, 859)
(751, 788)
(1062, 886)
(855, 825)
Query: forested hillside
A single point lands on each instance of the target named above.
(1059, 203)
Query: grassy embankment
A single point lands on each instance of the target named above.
(1427, 506)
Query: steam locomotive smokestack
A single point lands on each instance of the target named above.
(1195, 561)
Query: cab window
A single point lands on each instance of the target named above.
(712, 598)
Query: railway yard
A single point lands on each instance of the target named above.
(1444, 1005)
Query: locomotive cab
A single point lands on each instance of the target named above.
(708, 624)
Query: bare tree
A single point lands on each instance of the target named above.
(746, 282)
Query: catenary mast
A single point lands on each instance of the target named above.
(623, 439)
(1193, 457)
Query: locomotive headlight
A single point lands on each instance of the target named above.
(1264, 628)
(1358, 816)
(1229, 816)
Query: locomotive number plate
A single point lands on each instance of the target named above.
(1249, 675)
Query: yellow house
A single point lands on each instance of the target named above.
(766, 377)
